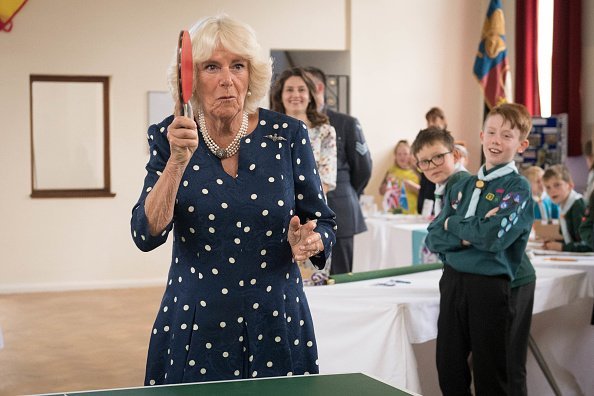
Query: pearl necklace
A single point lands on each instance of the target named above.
(232, 147)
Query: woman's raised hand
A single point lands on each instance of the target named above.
(182, 134)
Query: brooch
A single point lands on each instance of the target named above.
(275, 137)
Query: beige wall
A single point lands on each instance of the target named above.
(405, 57)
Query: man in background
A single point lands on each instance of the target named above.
(353, 173)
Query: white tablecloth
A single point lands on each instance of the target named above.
(390, 241)
(364, 327)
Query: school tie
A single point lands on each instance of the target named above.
(439, 190)
(481, 183)
(573, 196)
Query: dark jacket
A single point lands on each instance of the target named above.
(353, 170)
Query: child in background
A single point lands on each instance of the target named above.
(481, 236)
(401, 178)
(559, 186)
(544, 208)
(438, 159)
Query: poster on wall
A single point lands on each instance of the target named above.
(547, 142)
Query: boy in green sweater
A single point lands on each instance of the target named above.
(481, 237)
(436, 156)
(559, 185)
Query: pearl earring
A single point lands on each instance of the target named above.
(249, 93)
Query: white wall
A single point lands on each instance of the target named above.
(405, 57)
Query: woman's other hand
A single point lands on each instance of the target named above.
(303, 240)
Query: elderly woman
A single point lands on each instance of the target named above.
(294, 94)
(240, 191)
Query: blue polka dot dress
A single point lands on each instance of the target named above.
(234, 305)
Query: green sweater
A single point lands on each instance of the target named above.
(574, 218)
(498, 243)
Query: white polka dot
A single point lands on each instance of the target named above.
(231, 260)
(240, 283)
(238, 224)
(297, 299)
(301, 177)
(148, 189)
(303, 141)
(263, 265)
(195, 167)
(246, 229)
(309, 344)
(275, 313)
(260, 336)
(269, 288)
(253, 281)
(265, 212)
(183, 326)
(240, 319)
(262, 122)
(318, 214)
(186, 307)
(296, 342)
(277, 339)
(207, 248)
(285, 125)
(190, 209)
(240, 338)
(208, 345)
(300, 196)
(224, 205)
(236, 372)
(154, 331)
(204, 191)
(263, 252)
(298, 161)
(255, 373)
(203, 303)
(237, 241)
(195, 327)
(225, 354)
(185, 183)
(288, 319)
(211, 216)
(222, 324)
(289, 374)
(192, 363)
(248, 140)
(271, 179)
(269, 364)
(251, 358)
(224, 291)
(281, 203)
(278, 156)
(215, 271)
(202, 371)
(268, 233)
(152, 382)
(275, 126)
(255, 306)
(179, 279)
(263, 144)
(154, 152)
(193, 231)
(166, 328)
(219, 181)
(301, 323)
(252, 166)
(211, 230)
(165, 309)
(254, 196)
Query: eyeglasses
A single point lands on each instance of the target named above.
(436, 160)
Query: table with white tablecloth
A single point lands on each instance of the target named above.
(391, 241)
(373, 326)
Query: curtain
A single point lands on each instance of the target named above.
(567, 69)
(526, 84)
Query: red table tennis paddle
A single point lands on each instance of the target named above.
(185, 72)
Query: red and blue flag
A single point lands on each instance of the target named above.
(490, 66)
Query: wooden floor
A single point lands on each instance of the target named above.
(83, 340)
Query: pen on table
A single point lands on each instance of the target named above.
(559, 259)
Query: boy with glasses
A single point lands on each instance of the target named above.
(436, 156)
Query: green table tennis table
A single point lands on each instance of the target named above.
(356, 384)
